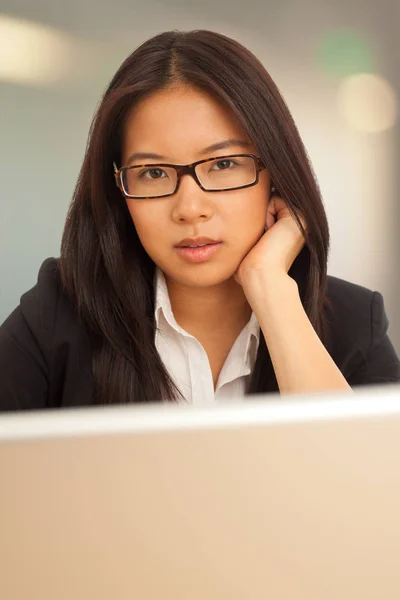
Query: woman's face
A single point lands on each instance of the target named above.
(178, 125)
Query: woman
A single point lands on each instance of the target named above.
(193, 260)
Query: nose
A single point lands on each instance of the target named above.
(192, 204)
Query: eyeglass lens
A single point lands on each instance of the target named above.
(221, 174)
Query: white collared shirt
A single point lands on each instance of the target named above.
(187, 362)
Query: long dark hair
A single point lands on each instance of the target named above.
(103, 266)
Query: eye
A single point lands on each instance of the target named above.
(224, 163)
(155, 173)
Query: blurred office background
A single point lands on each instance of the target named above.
(335, 61)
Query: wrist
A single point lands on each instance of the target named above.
(274, 286)
(268, 280)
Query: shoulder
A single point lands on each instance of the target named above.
(359, 343)
(41, 300)
(55, 309)
(44, 340)
(46, 306)
(46, 317)
(46, 309)
(349, 299)
(356, 315)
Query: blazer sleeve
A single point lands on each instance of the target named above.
(381, 363)
(25, 339)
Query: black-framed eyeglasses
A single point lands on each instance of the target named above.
(216, 174)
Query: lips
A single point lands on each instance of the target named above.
(199, 253)
(198, 242)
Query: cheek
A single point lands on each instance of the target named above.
(148, 222)
(247, 213)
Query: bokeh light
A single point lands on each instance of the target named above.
(367, 102)
(345, 52)
(31, 53)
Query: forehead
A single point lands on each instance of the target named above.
(177, 123)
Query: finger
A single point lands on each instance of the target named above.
(270, 220)
(271, 214)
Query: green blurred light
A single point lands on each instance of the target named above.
(344, 52)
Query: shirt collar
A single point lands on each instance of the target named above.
(253, 340)
(163, 306)
(162, 301)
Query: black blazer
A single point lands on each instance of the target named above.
(45, 359)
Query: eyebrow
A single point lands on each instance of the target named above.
(213, 148)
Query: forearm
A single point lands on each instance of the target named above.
(300, 360)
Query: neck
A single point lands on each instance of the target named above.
(223, 306)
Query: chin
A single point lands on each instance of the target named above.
(200, 276)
